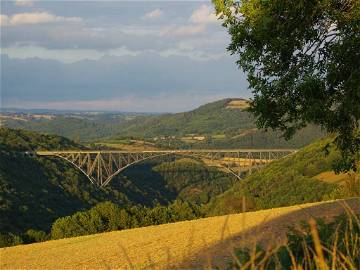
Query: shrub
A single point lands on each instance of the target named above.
(32, 236)
(10, 239)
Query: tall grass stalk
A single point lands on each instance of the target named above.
(331, 246)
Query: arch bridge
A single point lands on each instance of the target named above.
(101, 166)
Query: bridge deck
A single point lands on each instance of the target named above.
(181, 151)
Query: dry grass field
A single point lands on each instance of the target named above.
(331, 177)
(182, 245)
(238, 104)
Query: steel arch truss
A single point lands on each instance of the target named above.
(101, 167)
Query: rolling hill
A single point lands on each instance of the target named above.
(183, 245)
(80, 126)
(221, 124)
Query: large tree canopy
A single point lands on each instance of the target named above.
(303, 64)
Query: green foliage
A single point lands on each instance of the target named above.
(105, 217)
(10, 239)
(302, 62)
(36, 236)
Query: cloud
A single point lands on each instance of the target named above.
(199, 19)
(156, 13)
(4, 19)
(186, 30)
(203, 15)
(176, 78)
(24, 3)
(35, 18)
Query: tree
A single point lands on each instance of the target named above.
(302, 59)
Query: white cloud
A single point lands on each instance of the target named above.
(156, 13)
(186, 30)
(4, 19)
(199, 19)
(35, 18)
(24, 3)
(203, 15)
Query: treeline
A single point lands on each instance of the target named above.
(106, 217)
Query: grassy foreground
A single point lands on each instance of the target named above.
(184, 244)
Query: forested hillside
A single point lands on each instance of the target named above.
(212, 118)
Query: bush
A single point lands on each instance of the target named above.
(36, 236)
(10, 239)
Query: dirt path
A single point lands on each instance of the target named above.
(189, 244)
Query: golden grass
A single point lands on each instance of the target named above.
(186, 244)
(331, 177)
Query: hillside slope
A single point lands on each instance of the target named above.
(202, 241)
(212, 118)
(298, 178)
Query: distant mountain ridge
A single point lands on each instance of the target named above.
(221, 124)
(210, 118)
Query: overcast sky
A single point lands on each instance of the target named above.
(163, 56)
